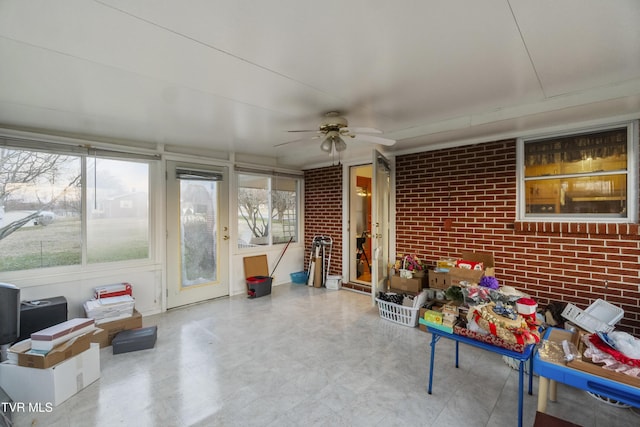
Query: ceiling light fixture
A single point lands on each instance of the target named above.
(333, 140)
(326, 145)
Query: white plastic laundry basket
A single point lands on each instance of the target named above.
(401, 314)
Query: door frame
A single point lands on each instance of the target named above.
(222, 283)
(347, 254)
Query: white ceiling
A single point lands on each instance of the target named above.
(235, 75)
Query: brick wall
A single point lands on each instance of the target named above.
(464, 199)
(323, 211)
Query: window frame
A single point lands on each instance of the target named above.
(631, 174)
(85, 152)
(270, 176)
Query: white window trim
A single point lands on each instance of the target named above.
(271, 174)
(83, 151)
(632, 177)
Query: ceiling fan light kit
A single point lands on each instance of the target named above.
(326, 145)
(333, 140)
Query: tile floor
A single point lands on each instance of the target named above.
(305, 357)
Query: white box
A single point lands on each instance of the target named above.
(52, 385)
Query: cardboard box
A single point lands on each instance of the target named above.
(414, 285)
(60, 353)
(111, 329)
(438, 326)
(421, 326)
(433, 316)
(54, 385)
(438, 280)
(444, 280)
(488, 338)
(585, 364)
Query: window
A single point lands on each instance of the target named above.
(61, 209)
(582, 176)
(118, 210)
(267, 209)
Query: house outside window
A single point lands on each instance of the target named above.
(583, 176)
(59, 209)
(267, 209)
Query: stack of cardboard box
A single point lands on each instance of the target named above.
(49, 377)
(113, 308)
(445, 278)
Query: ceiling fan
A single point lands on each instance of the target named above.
(334, 128)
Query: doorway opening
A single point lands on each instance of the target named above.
(360, 217)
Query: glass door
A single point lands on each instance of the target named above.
(381, 183)
(197, 233)
(360, 191)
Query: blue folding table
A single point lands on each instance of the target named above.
(552, 372)
(436, 334)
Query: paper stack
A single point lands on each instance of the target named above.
(109, 309)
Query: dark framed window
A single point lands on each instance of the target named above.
(584, 175)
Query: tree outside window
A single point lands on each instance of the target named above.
(41, 209)
(267, 210)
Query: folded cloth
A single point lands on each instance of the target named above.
(602, 346)
(626, 343)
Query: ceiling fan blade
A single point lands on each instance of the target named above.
(360, 130)
(307, 139)
(373, 139)
(309, 130)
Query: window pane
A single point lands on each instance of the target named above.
(577, 154)
(284, 213)
(198, 214)
(602, 194)
(253, 210)
(39, 210)
(118, 210)
(584, 175)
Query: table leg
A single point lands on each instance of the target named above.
(520, 391)
(553, 390)
(457, 344)
(434, 340)
(531, 375)
(543, 388)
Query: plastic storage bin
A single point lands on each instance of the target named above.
(299, 277)
(259, 286)
(598, 317)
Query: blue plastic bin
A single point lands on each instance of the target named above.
(299, 277)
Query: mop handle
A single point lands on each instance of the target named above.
(281, 255)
